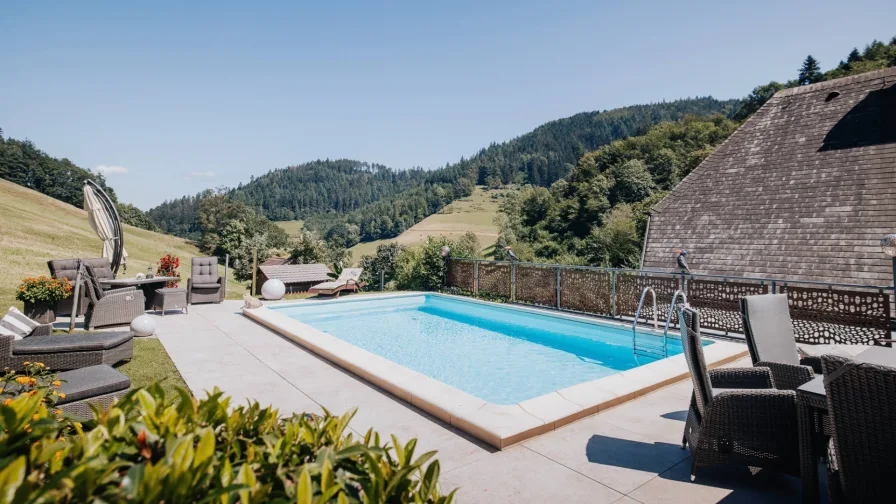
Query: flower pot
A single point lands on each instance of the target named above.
(42, 312)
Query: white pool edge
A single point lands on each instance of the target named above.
(498, 425)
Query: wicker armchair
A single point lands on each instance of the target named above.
(68, 268)
(204, 284)
(862, 404)
(111, 307)
(736, 416)
(771, 341)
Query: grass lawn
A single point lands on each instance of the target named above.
(291, 227)
(151, 363)
(475, 213)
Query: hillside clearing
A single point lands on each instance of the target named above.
(36, 228)
(292, 227)
(475, 213)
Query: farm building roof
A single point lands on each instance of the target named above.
(805, 189)
(297, 273)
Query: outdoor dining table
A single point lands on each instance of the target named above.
(814, 423)
(147, 285)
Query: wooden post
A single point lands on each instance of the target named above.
(254, 269)
(382, 279)
(226, 264)
(77, 294)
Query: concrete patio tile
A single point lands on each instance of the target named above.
(627, 500)
(729, 484)
(658, 416)
(617, 458)
(520, 475)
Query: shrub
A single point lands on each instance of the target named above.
(151, 448)
(43, 289)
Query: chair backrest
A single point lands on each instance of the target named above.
(92, 282)
(68, 268)
(692, 344)
(351, 274)
(768, 329)
(204, 269)
(862, 405)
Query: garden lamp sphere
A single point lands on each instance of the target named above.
(888, 245)
(445, 251)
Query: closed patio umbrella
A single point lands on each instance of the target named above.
(103, 218)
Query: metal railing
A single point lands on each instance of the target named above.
(822, 312)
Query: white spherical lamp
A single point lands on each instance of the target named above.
(143, 325)
(273, 289)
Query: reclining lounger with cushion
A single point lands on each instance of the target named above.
(100, 385)
(67, 351)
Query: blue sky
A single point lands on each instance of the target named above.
(172, 98)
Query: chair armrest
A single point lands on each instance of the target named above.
(788, 376)
(741, 378)
(121, 296)
(42, 330)
(118, 289)
(813, 361)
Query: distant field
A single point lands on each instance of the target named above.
(292, 227)
(475, 213)
(36, 228)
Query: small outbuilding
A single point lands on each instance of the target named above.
(296, 277)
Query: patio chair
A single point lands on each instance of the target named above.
(349, 280)
(771, 341)
(862, 404)
(100, 385)
(736, 416)
(204, 284)
(113, 306)
(68, 268)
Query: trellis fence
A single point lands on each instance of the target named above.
(821, 312)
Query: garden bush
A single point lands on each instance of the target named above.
(149, 447)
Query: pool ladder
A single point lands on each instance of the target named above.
(644, 348)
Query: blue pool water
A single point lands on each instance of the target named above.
(498, 354)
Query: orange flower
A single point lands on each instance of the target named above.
(23, 380)
(62, 395)
(58, 412)
(32, 393)
(35, 417)
(7, 402)
(56, 383)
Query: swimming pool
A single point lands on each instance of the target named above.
(499, 372)
(496, 353)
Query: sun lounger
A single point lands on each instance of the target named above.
(100, 385)
(349, 280)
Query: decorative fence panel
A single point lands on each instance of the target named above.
(837, 315)
(586, 291)
(494, 279)
(829, 313)
(460, 274)
(628, 293)
(536, 285)
(719, 302)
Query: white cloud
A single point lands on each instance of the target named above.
(110, 170)
(202, 174)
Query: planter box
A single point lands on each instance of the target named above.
(45, 313)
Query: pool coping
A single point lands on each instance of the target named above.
(498, 425)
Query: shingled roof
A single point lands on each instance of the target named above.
(803, 190)
(297, 273)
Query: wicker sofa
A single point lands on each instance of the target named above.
(68, 268)
(204, 284)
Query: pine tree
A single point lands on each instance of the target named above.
(810, 72)
(853, 56)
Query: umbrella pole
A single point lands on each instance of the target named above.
(75, 307)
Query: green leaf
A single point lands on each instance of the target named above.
(430, 478)
(205, 449)
(11, 477)
(305, 492)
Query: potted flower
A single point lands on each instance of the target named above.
(168, 265)
(40, 295)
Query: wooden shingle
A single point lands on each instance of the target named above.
(803, 190)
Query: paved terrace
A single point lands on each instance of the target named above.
(627, 454)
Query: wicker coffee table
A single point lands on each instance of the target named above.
(170, 298)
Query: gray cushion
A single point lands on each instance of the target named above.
(206, 285)
(84, 383)
(769, 329)
(78, 342)
(171, 290)
(205, 270)
(68, 268)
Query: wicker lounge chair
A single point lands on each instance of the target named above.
(349, 280)
(862, 404)
(204, 284)
(736, 416)
(100, 385)
(111, 307)
(771, 341)
(66, 351)
(68, 268)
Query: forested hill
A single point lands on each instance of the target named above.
(337, 186)
(549, 152)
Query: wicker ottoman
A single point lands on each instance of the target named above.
(170, 298)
